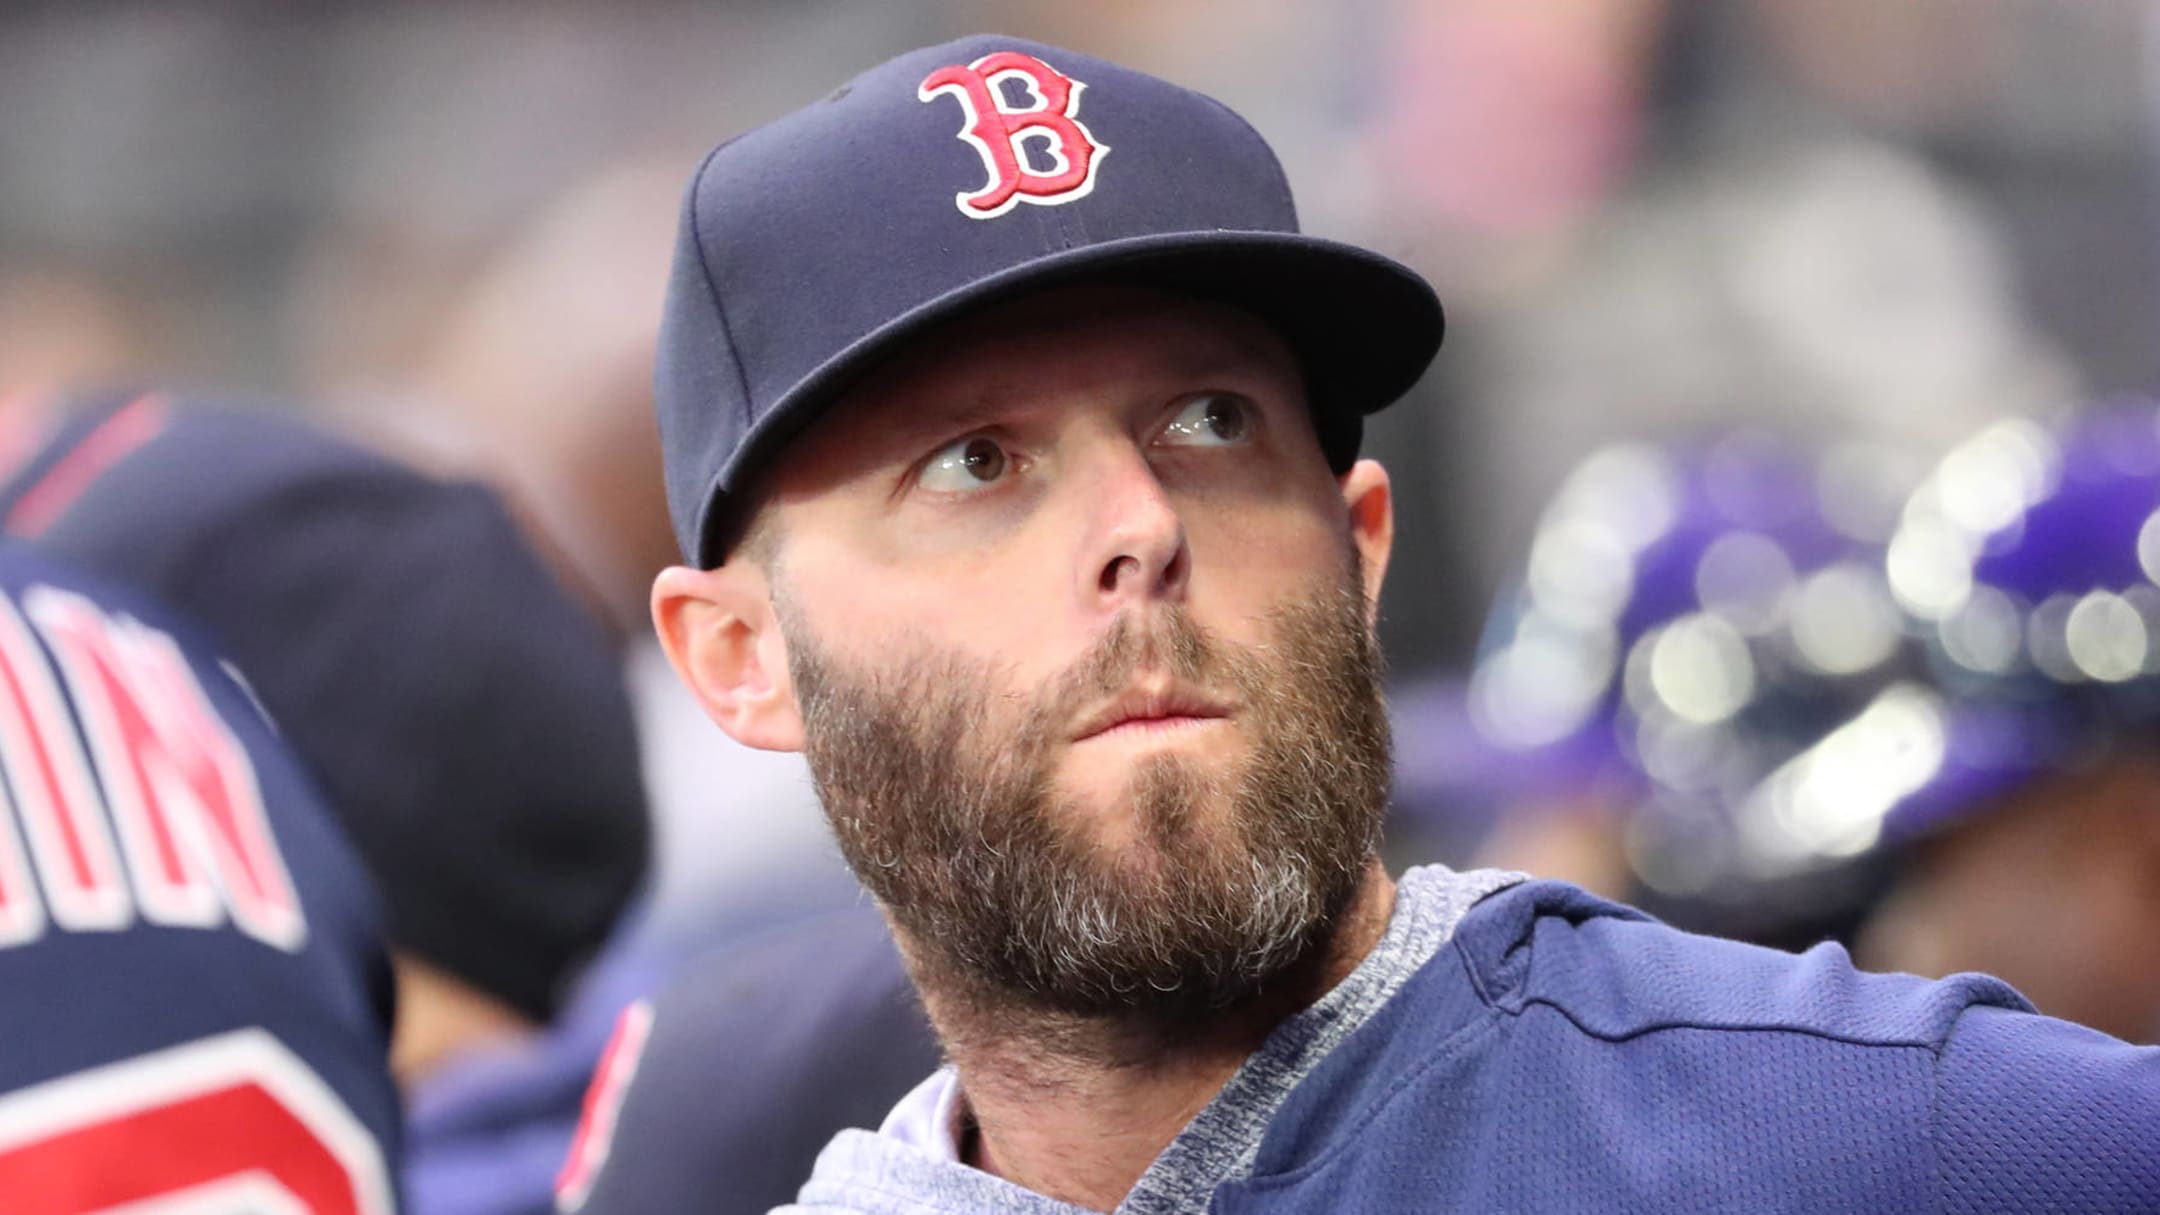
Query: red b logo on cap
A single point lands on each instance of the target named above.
(998, 132)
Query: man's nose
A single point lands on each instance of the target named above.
(1136, 548)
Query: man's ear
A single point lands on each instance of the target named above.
(723, 639)
(1371, 501)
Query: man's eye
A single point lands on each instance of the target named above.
(1215, 419)
(964, 465)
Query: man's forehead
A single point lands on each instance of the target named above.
(1054, 343)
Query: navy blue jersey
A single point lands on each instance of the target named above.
(1565, 1054)
(680, 1116)
(1561, 1054)
(194, 995)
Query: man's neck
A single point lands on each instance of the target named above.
(1078, 1109)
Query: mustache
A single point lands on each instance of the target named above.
(1168, 641)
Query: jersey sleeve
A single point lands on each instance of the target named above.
(2036, 1114)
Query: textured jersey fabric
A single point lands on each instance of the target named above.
(1570, 1055)
(1564, 1054)
(862, 1171)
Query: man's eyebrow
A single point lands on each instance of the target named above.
(1216, 362)
(1233, 355)
(949, 418)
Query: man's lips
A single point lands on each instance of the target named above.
(1151, 707)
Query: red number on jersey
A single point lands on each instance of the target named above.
(223, 1125)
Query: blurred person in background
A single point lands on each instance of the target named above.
(464, 713)
(2031, 849)
(1667, 216)
(64, 320)
(366, 605)
(194, 989)
(2015, 789)
(539, 378)
(540, 375)
(718, 1092)
(1678, 597)
(1982, 798)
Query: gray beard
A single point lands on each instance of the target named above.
(945, 811)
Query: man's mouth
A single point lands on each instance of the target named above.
(1152, 707)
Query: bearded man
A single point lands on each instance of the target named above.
(1012, 446)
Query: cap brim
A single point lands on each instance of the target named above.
(1364, 328)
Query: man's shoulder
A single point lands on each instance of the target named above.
(1616, 974)
(1550, 986)
(1564, 1046)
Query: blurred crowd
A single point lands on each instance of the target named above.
(1780, 527)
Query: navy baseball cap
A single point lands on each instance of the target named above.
(949, 178)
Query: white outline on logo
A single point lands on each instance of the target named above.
(248, 1057)
(989, 159)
